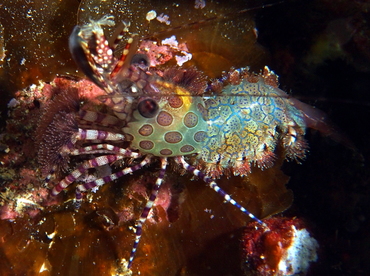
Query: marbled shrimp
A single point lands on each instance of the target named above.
(207, 128)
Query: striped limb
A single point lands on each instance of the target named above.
(212, 184)
(127, 54)
(146, 210)
(82, 169)
(98, 118)
(93, 134)
(104, 149)
(89, 135)
(101, 181)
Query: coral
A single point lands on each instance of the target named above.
(285, 248)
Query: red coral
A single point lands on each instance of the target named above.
(268, 252)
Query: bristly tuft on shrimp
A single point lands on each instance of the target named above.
(56, 129)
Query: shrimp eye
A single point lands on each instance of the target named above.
(141, 60)
(148, 108)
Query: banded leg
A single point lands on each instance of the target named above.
(146, 210)
(93, 163)
(98, 118)
(101, 181)
(85, 135)
(212, 184)
(129, 50)
(49, 176)
(93, 134)
(117, 36)
(104, 149)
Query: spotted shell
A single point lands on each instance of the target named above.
(231, 130)
(178, 128)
